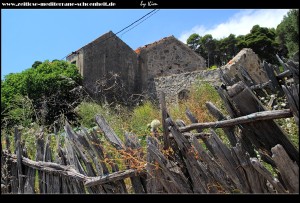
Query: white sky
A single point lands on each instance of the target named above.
(239, 24)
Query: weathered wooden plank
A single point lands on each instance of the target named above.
(164, 117)
(47, 157)
(294, 68)
(39, 157)
(81, 147)
(292, 94)
(193, 119)
(227, 103)
(14, 178)
(288, 169)
(170, 169)
(216, 170)
(258, 116)
(72, 157)
(267, 175)
(64, 185)
(284, 74)
(132, 142)
(5, 174)
(271, 75)
(7, 142)
(119, 175)
(261, 86)
(253, 180)
(109, 132)
(199, 178)
(29, 182)
(218, 115)
(19, 161)
(99, 158)
(115, 141)
(91, 151)
(49, 167)
(266, 133)
(224, 156)
(153, 174)
(285, 68)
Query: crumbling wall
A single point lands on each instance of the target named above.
(248, 60)
(165, 57)
(177, 86)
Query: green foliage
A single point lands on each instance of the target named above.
(288, 33)
(49, 85)
(214, 67)
(19, 112)
(265, 42)
(87, 112)
(36, 64)
(262, 41)
(194, 42)
(141, 117)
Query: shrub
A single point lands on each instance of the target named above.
(51, 86)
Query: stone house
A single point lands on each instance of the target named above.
(105, 58)
(108, 56)
(165, 57)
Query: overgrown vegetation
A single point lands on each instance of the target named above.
(265, 42)
(40, 94)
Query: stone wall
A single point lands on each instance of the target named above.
(247, 59)
(165, 57)
(106, 56)
(177, 86)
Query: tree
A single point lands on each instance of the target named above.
(36, 64)
(288, 33)
(209, 45)
(194, 42)
(53, 88)
(262, 41)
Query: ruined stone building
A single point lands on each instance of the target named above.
(108, 56)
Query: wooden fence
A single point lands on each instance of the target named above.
(180, 160)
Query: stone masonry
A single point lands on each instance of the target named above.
(108, 55)
(166, 65)
(248, 60)
(177, 85)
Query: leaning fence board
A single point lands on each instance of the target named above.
(132, 142)
(292, 94)
(39, 157)
(109, 132)
(218, 115)
(267, 174)
(19, 161)
(164, 124)
(199, 177)
(218, 172)
(193, 119)
(153, 174)
(223, 155)
(288, 169)
(266, 133)
(179, 181)
(253, 180)
(29, 182)
(270, 73)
